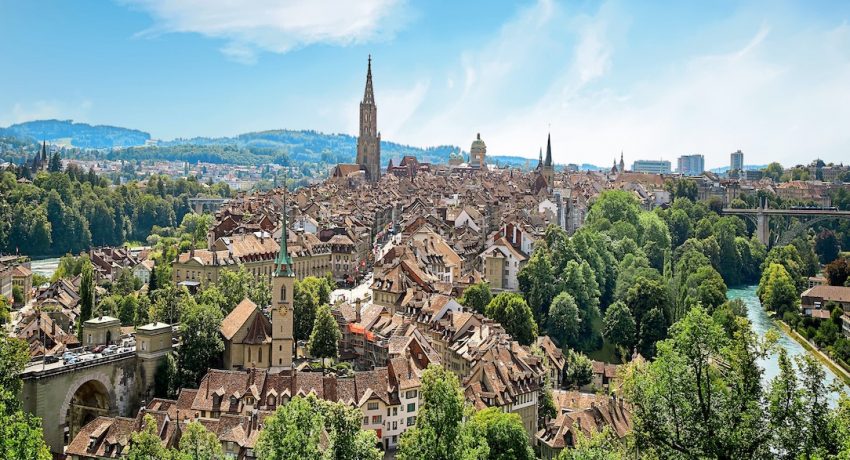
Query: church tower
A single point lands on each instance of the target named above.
(548, 166)
(369, 141)
(283, 283)
(622, 163)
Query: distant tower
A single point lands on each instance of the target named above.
(283, 283)
(477, 153)
(737, 161)
(369, 142)
(540, 160)
(548, 166)
(622, 168)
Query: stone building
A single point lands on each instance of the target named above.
(369, 141)
(477, 153)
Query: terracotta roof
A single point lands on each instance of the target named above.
(238, 317)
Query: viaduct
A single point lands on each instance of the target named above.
(806, 219)
(67, 396)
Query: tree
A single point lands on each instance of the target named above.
(564, 320)
(685, 406)
(476, 297)
(774, 171)
(197, 443)
(324, 340)
(440, 432)
(5, 310)
(776, 290)
(14, 356)
(86, 293)
(21, 436)
(652, 329)
(166, 378)
(838, 271)
(784, 407)
(601, 445)
(146, 444)
(619, 326)
(704, 287)
(655, 238)
(504, 433)
(305, 302)
(537, 281)
(292, 432)
(511, 311)
(347, 440)
(128, 309)
(578, 370)
(680, 227)
(648, 299)
(614, 206)
(202, 344)
(826, 246)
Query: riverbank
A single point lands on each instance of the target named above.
(821, 356)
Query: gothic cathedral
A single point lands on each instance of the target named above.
(369, 141)
(283, 283)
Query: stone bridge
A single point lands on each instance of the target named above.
(211, 204)
(807, 217)
(66, 397)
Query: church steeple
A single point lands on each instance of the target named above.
(548, 162)
(368, 95)
(369, 141)
(540, 159)
(283, 263)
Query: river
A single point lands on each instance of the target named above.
(762, 323)
(45, 267)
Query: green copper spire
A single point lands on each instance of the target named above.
(283, 263)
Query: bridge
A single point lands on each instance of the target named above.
(807, 217)
(67, 396)
(212, 204)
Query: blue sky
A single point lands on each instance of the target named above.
(655, 79)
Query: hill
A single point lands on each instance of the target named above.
(82, 135)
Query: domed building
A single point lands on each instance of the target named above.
(477, 153)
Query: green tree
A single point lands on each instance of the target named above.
(476, 297)
(347, 440)
(827, 246)
(198, 443)
(324, 339)
(601, 445)
(86, 293)
(305, 303)
(578, 370)
(21, 436)
(686, 406)
(838, 271)
(440, 432)
(146, 444)
(504, 433)
(614, 206)
(564, 320)
(776, 290)
(680, 227)
(128, 309)
(774, 171)
(14, 356)
(619, 326)
(202, 344)
(292, 432)
(537, 281)
(511, 311)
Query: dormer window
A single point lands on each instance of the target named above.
(233, 400)
(249, 400)
(271, 401)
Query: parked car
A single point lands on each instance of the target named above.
(50, 359)
(98, 349)
(110, 350)
(71, 360)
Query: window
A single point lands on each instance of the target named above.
(365, 420)
(411, 421)
(271, 401)
(411, 407)
(260, 355)
(376, 419)
(372, 406)
(283, 293)
(411, 394)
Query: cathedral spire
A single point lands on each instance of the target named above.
(283, 263)
(548, 151)
(540, 159)
(369, 96)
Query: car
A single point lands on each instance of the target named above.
(110, 350)
(71, 360)
(98, 349)
(50, 359)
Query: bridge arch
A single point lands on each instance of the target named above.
(88, 396)
(800, 227)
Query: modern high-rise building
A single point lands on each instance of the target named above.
(369, 141)
(737, 161)
(691, 165)
(651, 166)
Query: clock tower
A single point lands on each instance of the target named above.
(283, 283)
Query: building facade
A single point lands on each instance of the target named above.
(651, 166)
(736, 161)
(691, 165)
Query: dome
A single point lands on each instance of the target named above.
(478, 145)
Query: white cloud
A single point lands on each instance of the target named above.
(277, 26)
(780, 93)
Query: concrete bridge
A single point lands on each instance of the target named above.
(211, 204)
(67, 396)
(807, 217)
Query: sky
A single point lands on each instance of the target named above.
(651, 79)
